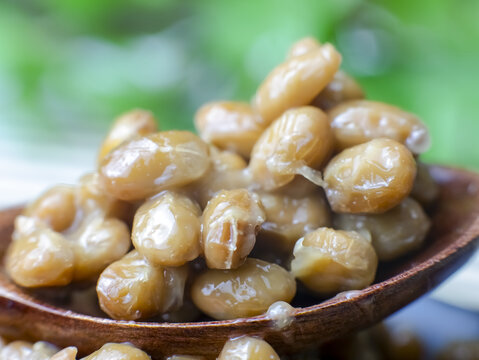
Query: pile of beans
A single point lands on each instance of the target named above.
(309, 182)
(379, 342)
(248, 347)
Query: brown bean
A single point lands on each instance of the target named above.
(296, 82)
(296, 143)
(145, 166)
(112, 351)
(303, 46)
(247, 348)
(289, 218)
(395, 232)
(231, 221)
(96, 243)
(425, 189)
(246, 291)
(167, 229)
(131, 288)
(92, 199)
(328, 261)
(126, 127)
(370, 178)
(17, 350)
(56, 207)
(68, 353)
(38, 256)
(227, 172)
(341, 89)
(230, 125)
(356, 122)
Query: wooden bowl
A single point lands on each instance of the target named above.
(451, 242)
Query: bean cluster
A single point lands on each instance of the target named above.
(309, 182)
(245, 347)
(379, 342)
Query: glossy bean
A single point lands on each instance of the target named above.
(329, 261)
(370, 178)
(126, 127)
(167, 229)
(145, 166)
(38, 256)
(112, 351)
(56, 207)
(131, 288)
(356, 122)
(230, 125)
(395, 232)
(296, 143)
(231, 221)
(296, 82)
(227, 172)
(341, 89)
(96, 243)
(247, 348)
(246, 291)
(425, 189)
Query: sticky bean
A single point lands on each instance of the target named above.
(341, 89)
(296, 143)
(296, 82)
(230, 125)
(425, 189)
(227, 172)
(96, 243)
(395, 232)
(145, 166)
(246, 291)
(289, 218)
(17, 350)
(56, 207)
(303, 46)
(247, 348)
(370, 178)
(167, 229)
(231, 221)
(131, 288)
(328, 261)
(38, 256)
(118, 351)
(356, 122)
(126, 127)
(68, 353)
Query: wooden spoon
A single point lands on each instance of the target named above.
(451, 242)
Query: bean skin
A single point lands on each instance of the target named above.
(356, 122)
(230, 125)
(370, 178)
(300, 139)
(395, 232)
(167, 229)
(296, 82)
(126, 127)
(246, 291)
(328, 261)
(231, 221)
(143, 167)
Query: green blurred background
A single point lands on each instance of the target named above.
(67, 68)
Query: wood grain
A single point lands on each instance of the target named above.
(452, 241)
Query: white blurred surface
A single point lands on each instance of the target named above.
(28, 170)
